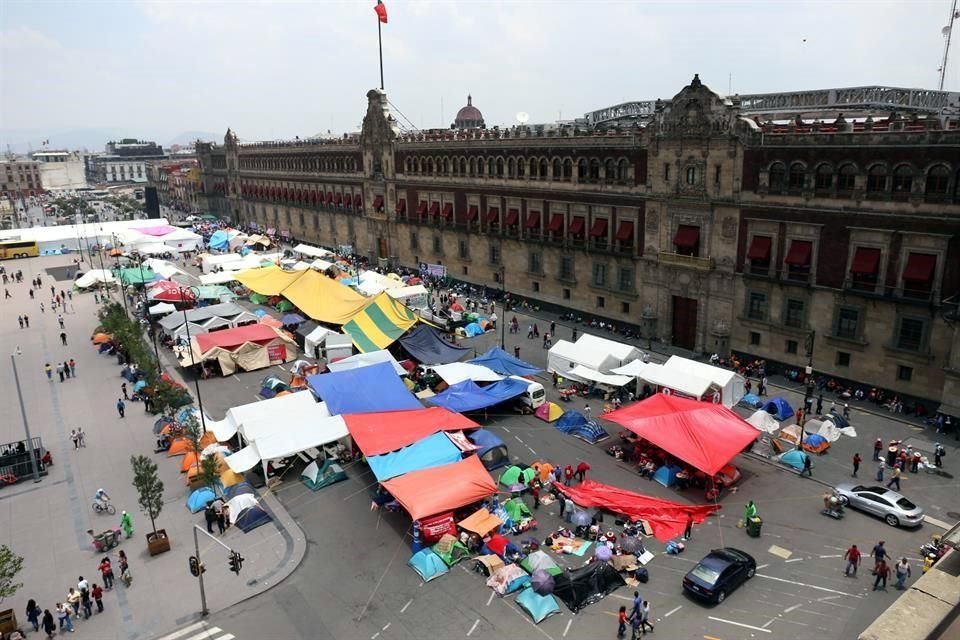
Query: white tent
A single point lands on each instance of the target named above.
(162, 308)
(729, 383)
(320, 265)
(218, 278)
(414, 296)
(582, 373)
(635, 368)
(275, 409)
(239, 504)
(209, 262)
(365, 359)
(152, 248)
(564, 356)
(288, 442)
(243, 460)
(764, 421)
(459, 371)
(93, 277)
(622, 353)
(163, 267)
(291, 415)
(675, 381)
(313, 252)
(372, 283)
(315, 339)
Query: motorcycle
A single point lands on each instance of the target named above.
(935, 548)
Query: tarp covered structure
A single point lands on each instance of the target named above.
(288, 442)
(492, 451)
(729, 383)
(432, 451)
(268, 281)
(584, 586)
(313, 252)
(279, 410)
(93, 277)
(666, 518)
(618, 353)
(432, 491)
(366, 359)
(763, 421)
(499, 361)
(322, 299)
(136, 275)
(480, 522)
(582, 373)
(702, 434)
(250, 347)
(467, 396)
(426, 345)
(379, 324)
(363, 390)
(379, 433)
(457, 372)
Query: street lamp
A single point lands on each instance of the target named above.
(503, 297)
(193, 363)
(23, 413)
(808, 379)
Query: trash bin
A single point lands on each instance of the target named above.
(753, 526)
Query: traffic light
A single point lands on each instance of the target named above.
(194, 566)
(236, 561)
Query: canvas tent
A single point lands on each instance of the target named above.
(674, 382)
(248, 348)
(261, 418)
(233, 313)
(287, 442)
(584, 586)
(313, 252)
(426, 345)
(427, 564)
(705, 435)
(350, 391)
(576, 424)
(366, 359)
(378, 433)
(432, 451)
(582, 373)
(618, 353)
(457, 372)
(323, 299)
(730, 384)
(764, 421)
(379, 324)
(93, 277)
(432, 491)
(564, 356)
(467, 396)
(415, 296)
(499, 361)
(779, 408)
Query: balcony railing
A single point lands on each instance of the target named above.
(692, 262)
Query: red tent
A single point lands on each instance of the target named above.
(431, 491)
(704, 435)
(232, 338)
(385, 431)
(668, 519)
(170, 291)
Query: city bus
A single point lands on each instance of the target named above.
(10, 249)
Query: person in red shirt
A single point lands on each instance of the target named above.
(582, 469)
(852, 556)
(856, 464)
(535, 491)
(97, 594)
(567, 475)
(622, 622)
(881, 571)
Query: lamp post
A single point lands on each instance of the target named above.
(808, 379)
(503, 296)
(193, 362)
(23, 413)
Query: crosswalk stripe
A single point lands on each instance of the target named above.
(199, 631)
(182, 632)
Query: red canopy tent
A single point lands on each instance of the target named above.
(667, 519)
(381, 432)
(170, 291)
(233, 338)
(431, 491)
(704, 435)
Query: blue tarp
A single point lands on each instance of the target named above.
(432, 451)
(376, 387)
(751, 400)
(199, 499)
(498, 360)
(493, 451)
(428, 564)
(794, 458)
(538, 606)
(252, 518)
(576, 424)
(666, 475)
(814, 440)
(426, 345)
(779, 408)
(473, 329)
(219, 240)
(467, 396)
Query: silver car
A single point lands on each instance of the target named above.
(895, 509)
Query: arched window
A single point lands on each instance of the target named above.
(446, 166)
(582, 169)
(937, 180)
(544, 168)
(499, 167)
(623, 170)
(491, 167)
(406, 165)
(847, 177)
(778, 176)
(511, 168)
(473, 166)
(533, 167)
(557, 169)
(455, 167)
(823, 179)
(567, 170)
(691, 176)
(521, 167)
(877, 179)
(610, 170)
(594, 169)
(463, 166)
(798, 175)
(430, 166)
(903, 180)
(480, 167)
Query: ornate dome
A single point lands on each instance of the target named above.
(469, 117)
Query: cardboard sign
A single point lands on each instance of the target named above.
(277, 352)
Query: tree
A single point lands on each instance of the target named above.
(167, 398)
(149, 487)
(10, 565)
(209, 472)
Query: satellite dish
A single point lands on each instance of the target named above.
(522, 117)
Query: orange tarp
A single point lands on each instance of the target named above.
(179, 446)
(431, 491)
(191, 459)
(480, 522)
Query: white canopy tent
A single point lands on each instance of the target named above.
(288, 442)
(222, 277)
(636, 368)
(366, 359)
(764, 421)
(582, 373)
(729, 383)
(622, 353)
(93, 277)
(563, 356)
(414, 296)
(674, 381)
(320, 265)
(315, 339)
(313, 252)
(459, 371)
(274, 410)
(162, 308)
(372, 283)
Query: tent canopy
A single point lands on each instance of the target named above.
(576, 424)
(549, 411)
(705, 435)
(779, 408)
(379, 433)
(366, 359)
(764, 421)
(279, 409)
(432, 491)
(467, 396)
(619, 351)
(379, 324)
(499, 361)
(427, 564)
(490, 448)
(457, 372)
(323, 299)
(313, 252)
(729, 383)
(538, 606)
(432, 451)
(426, 345)
(268, 281)
(480, 522)
(232, 338)
(353, 391)
(288, 442)
(581, 372)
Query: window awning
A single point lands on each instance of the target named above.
(800, 253)
(687, 237)
(329, 197)
(473, 213)
(422, 208)
(435, 208)
(513, 215)
(599, 228)
(576, 226)
(866, 261)
(357, 200)
(493, 215)
(533, 220)
(759, 250)
(625, 231)
(402, 206)
(556, 223)
(448, 210)
(920, 267)
(316, 197)
(347, 200)
(378, 203)
(338, 199)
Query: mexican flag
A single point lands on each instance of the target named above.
(381, 10)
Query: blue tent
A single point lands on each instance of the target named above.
(779, 408)
(492, 452)
(364, 390)
(252, 518)
(751, 400)
(538, 606)
(238, 489)
(666, 475)
(426, 345)
(576, 424)
(467, 396)
(815, 440)
(199, 499)
(292, 318)
(219, 240)
(838, 419)
(432, 451)
(794, 458)
(428, 564)
(498, 360)
(473, 329)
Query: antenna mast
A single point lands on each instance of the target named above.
(947, 33)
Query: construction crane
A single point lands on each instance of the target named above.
(947, 33)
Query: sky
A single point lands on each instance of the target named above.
(273, 70)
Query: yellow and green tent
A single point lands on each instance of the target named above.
(380, 324)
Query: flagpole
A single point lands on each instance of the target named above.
(380, 44)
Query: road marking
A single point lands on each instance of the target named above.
(793, 608)
(739, 624)
(567, 628)
(531, 449)
(506, 429)
(518, 439)
(184, 631)
(937, 523)
(386, 626)
(710, 638)
(833, 556)
(762, 566)
(810, 586)
(375, 636)
(826, 546)
(672, 611)
(794, 560)
(409, 602)
(474, 627)
(490, 599)
(769, 622)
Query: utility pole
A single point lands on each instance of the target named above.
(503, 320)
(947, 33)
(26, 423)
(197, 565)
(810, 383)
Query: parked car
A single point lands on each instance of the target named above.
(895, 509)
(718, 573)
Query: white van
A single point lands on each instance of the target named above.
(535, 395)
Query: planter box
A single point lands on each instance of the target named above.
(159, 543)
(8, 622)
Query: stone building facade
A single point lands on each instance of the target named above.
(705, 228)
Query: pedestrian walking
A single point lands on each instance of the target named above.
(74, 439)
(73, 598)
(63, 338)
(567, 475)
(562, 501)
(762, 387)
(125, 574)
(66, 370)
(807, 466)
(622, 621)
(60, 371)
(846, 411)
(73, 367)
(587, 411)
(535, 492)
(20, 320)
(852, 556)
(106, 572)
(34, 613)
(120, 407)
(123, 388)
(126, 523)
(87, 603)
(582, 469)
(536, 331)
(880, 469)
(895, 479)
(877, 449)
(820, 405)
(553, 328)
(82, 437)
(903, 572)
(878, 553)
(574, 338)
(220, 517)
(635, 626)
(97, 593)
(881, 571)
(63, 613)
(26, 320)
(749, 511)
(210, 516)
(529, 332)
(688, 530)
(516, 351)
(645, 617)
(856, 464)
(48, 370)
(60, 320)
(42, 310)
(48, 624)
(938, 453)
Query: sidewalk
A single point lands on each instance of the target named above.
(48, 521)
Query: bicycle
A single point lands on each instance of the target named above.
(104, 507)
